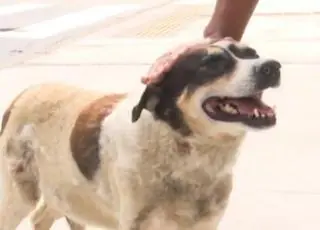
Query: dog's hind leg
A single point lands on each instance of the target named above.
(75, 226)
(43, 217)
(40, 218)
(19, 178)
(13, 206)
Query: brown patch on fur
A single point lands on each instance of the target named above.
(219, 197)
(183, 148)
(84, 139)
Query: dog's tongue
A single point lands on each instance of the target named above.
(249, 105)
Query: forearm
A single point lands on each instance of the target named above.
(231, 17)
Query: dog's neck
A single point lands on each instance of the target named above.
(141, 147)
(166, 138)
(152, 136)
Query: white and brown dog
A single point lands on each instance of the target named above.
(161, 158)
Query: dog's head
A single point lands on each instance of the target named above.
(213, 88)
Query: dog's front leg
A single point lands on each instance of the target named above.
(41, 218)
(127, 215)
(133, 212)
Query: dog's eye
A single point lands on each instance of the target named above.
(250, 53)
(214, 65)
(211, 59)
(243, 52)
(216, 61)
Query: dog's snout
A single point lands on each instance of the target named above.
(268, 74)
(270, 68)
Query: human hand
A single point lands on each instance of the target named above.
(164, 63)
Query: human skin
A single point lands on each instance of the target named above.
(230, 18)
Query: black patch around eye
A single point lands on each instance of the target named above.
(212, 58)
(216, 65)
(243, 53)
(217, 61)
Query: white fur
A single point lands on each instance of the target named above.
(127, 148)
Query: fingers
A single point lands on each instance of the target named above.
(165, 62)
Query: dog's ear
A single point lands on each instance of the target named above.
(149, 100)
(156, 74)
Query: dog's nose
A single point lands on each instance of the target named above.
(268, 74)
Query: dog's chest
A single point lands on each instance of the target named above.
(186, 188)
(160, 219)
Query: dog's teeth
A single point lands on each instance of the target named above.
(263, 115)
(270, 114)
(256, 112)
(210, 109)
(229, 109)
(235, 111)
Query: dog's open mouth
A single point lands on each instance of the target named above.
(248, 110)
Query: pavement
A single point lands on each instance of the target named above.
(29, 28)
(276, 184)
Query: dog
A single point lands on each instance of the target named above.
(160, 157)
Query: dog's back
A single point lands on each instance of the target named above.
(42, 104)
(42, 115)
